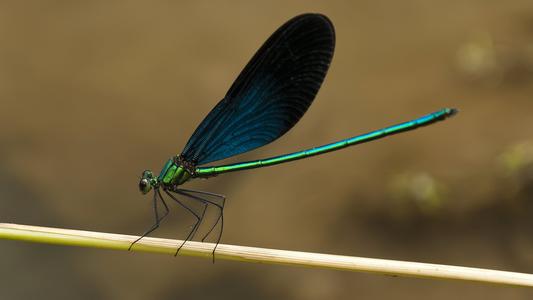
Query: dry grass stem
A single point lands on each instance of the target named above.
(114, 241)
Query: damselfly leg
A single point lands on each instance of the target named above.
(156, 215)
(220, 218)
(199, 219)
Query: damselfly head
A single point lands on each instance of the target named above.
(146, 182)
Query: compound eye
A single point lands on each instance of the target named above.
(144, 186)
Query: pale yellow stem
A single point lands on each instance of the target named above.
(262, 255)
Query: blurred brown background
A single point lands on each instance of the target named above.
(93, 92)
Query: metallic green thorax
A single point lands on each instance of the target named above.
(374, 135)
(173, 173)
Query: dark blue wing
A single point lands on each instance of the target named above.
(270, 95)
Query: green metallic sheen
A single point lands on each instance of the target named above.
(167, 172)
(181, 176)
(173, 174)
(381, 133)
